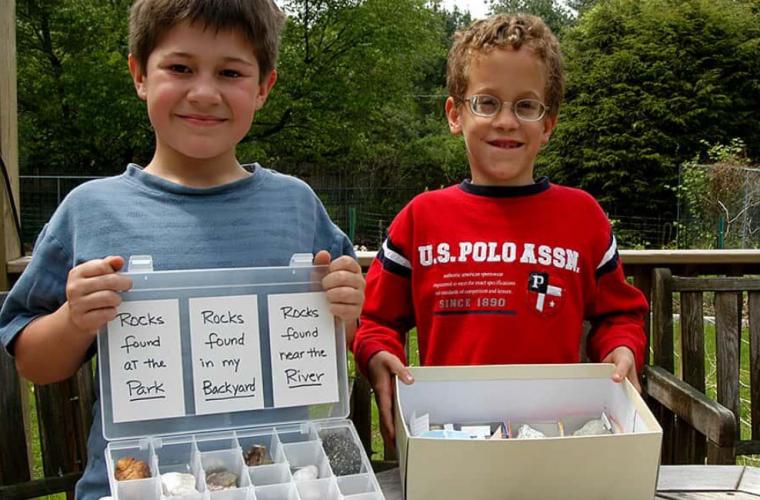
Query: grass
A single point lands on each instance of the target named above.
(37, 470)
(711, 383)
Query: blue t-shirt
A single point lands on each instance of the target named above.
(257, 221)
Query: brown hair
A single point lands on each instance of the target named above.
(260, 21)
(502, 31)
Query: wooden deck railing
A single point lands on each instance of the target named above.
(63, 409)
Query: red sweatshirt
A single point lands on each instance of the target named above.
(500, 275)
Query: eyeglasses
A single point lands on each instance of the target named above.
(488, 106)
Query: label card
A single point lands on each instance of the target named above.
(145, 361)
(226, 355)
(302, 342)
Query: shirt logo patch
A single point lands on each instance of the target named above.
(545, 294)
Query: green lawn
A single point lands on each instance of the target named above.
(37, 472)
(711, 385)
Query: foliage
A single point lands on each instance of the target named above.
(77, 106)
(647, 81)
(719, 198)
(553, 12)
(359, 101)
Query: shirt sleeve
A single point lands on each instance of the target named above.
(618, 309)
(388, 311)
(40, 290)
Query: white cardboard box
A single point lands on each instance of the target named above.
(620, 466)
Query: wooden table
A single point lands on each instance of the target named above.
(676, 482)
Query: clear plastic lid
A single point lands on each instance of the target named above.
(217, 349)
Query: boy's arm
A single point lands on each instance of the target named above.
(387, 315)
(52, 346)
(617, 316)
(379, 345)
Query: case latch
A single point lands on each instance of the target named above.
(140, 264)
(301, 260)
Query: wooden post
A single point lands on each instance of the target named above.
(9, 242)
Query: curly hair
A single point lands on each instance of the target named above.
(503, 31)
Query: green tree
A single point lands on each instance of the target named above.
(647, 81)
(554, 14)
(78, 110)
(349, 72)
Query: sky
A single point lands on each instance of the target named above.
(477, 8)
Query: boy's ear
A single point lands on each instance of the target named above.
(452, 114)
(264, 88)
(138, 77)
(549, 123)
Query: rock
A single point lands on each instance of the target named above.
(256, 455)
(342, 451)
(528, 432)
(177, 484)
(128, 468)
(592, 428)
(306, 473)
(221, 480)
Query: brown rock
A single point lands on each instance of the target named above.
(128, 468)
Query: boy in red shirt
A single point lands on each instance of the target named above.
(501, 268)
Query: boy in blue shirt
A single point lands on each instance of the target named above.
(204, 69)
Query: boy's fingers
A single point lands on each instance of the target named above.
(99, 267)
(322, 258)
(345, 263)
(337, 278)
(116, 262)
(396, 367)
(385, 407)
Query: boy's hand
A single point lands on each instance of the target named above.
(625, 365)
(382, 367)
(92, 293)
(344, 284)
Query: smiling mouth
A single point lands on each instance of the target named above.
(202, 120)
(505, 144)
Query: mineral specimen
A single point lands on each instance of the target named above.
(131, 468)
(342, 451)
(256, 455)
(221, 480)
(528, 432)
(592, 428)
(177, 484)
(306, 473)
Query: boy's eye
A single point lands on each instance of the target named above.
(486, 104)
(529, 109)
(230, 73)
(179, 68)
(527, 105)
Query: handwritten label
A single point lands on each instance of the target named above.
(226, 355)
(145, 361)
(302, 342)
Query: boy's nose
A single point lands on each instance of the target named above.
(506, 118)
(204, 91)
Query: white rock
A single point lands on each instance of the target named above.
(306, 473)
(592, 428)
(528, 432)
(177, 484)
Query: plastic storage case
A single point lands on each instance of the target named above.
(201, 365)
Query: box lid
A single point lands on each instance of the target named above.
(217, 349)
